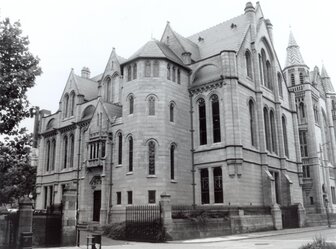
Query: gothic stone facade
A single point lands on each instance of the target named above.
(210, 119)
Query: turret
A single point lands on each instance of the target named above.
(269, 27)
(250, 13)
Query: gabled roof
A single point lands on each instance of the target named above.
(224, 36)
(112, 110)
(294, 56)
(155, 49)
(86, 87)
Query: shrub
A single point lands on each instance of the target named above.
(115, 231)
(319, 243)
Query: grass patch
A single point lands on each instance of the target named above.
(319, 243)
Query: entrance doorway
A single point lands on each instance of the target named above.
(96, 205)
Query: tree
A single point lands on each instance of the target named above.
(17, 176)
(18, 70)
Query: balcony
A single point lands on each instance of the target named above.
(307, 184)
(95, 163)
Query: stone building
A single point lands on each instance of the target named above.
(211, 119)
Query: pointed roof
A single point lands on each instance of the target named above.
(155, 49)
(294, 56)
(227, 35)
(327, 85)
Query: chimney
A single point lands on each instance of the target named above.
(186, 58)
(250, 14)
(85, 73)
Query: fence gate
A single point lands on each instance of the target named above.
(290, 217)
(144, 223)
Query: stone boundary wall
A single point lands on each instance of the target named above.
(313, 220)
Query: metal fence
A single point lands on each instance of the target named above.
(144, 223)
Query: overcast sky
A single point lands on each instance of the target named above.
(76, 33)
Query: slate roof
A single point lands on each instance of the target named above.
(155, 49)
(294, 56)
(188, 46)
(112, 110)
(87, 87)
(224, 36)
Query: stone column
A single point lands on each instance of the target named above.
(25, 229)
(69, 216)
(301, 215)
(103, 208)
(277, 218)
(211, 186)
(166, 213)
(197, 186)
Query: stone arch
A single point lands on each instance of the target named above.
(206, 73)
(88, 112)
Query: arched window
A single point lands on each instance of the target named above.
(53, 154)
(263, 59)
(65, 152)
(280, 85)
(72, 150)
(151, 158)
(202, 121)
(48, 155)
(129, 73)
(316, 114)
(168, 72)
(174, 74)
(269, 75)
(130, 154)
(151, 106)
(131, 104)
(284, 134)
(267, 130)
(172, 162)
(103, 149)
(108, 90)
(72, 103)
(147, 69)
(248, 63)
(66, 105)
(156, 69)
(119, 148)
(293, 79)
(135, 71)
(261, 70)
(205, 199)
(178, 76)
(171, 112)
(273, 131)
(301, 78)
(253, 128)
(215, 119)
(302, 110)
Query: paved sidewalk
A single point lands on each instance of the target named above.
(113, 244)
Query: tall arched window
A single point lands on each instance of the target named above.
(261, 70)
(269, 75)
(301, 78)
(119, 148)
(151, 106)
(172, 162)
(280, 85)
(53, 154)
(147, 69)
(72, 150)
(248, 63)
(168, 72)
(151, 158)
(108, 89)
(218, 184)
(129, 73)
(72, 103)
(178, 76)
(253, 128)
(156, 69)
(267, 130)
(171, 112)
(273, 130)
(263, 59)
(135, 71)
(302, 110)
(65, 152)
(202, 121)
(130, 154)
(215, 119)
(48, 155)
(131, 104)
(66, 105)
(293, 79)
(284, 134)
(174, 74)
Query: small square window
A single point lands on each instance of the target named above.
(118, 198)
(129, 197)
(151, 196)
